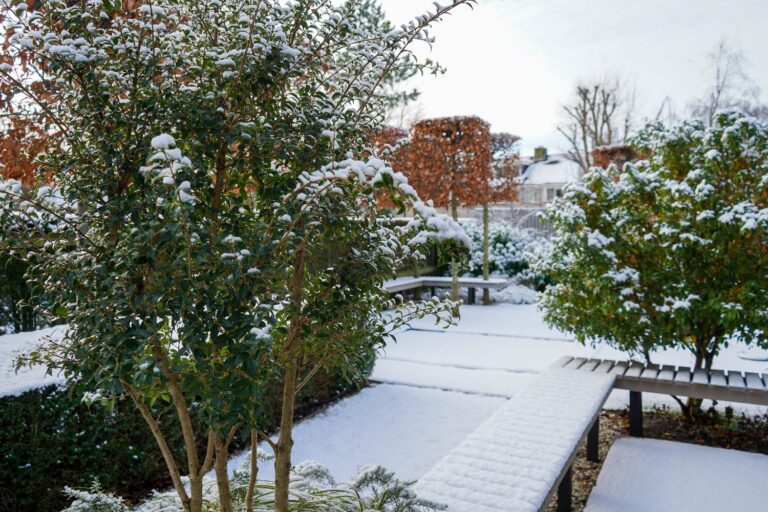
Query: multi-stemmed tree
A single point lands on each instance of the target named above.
(207, 224)
(669, 251)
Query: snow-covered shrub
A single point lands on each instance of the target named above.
(313, 489)
(669, 251)
(94, 499)
(510, 249)
(211, 155)
(515, 294)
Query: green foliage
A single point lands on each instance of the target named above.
(210, 231)
(52, 438)
(668, 252)
(16, 313)
(369, 15)
(312, 489)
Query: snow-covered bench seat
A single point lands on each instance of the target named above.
(642, 475)
(517, 459)
(730, 386)
(472, 283)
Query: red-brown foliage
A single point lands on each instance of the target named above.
(454, 156)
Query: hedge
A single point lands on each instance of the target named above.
(50, 439)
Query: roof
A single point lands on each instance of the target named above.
(555, 169)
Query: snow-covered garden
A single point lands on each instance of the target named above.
(203, 215)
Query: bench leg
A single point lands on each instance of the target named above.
(593, 442)
(433, 291)
(471, 296)
(565, 492)
(636, 414)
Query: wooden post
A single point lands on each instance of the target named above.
(565, 492)
(471, 296)
(635, 414)
(593, 442)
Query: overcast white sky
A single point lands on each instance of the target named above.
(514, 62)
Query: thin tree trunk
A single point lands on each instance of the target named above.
(692, 408)
(254, 471)
(222, 476)
(486, 256)
(454, 263)
(187, 429)
(290, 381)
(170, 462)
(285, 441)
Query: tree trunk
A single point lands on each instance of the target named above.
(195, 493)
(222, 476)
(254, 472)
(486, 256)
(285, 441)
(454, 263)
(692, 408)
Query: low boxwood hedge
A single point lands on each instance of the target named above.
(50, 439)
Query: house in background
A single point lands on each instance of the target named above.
(543, 177)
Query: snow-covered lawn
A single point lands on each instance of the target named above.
(495, 349)
(433, 387)
(640, 475)
(405, 429)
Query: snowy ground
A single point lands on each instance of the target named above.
(495, 349)
(11, 347)
(640, 475)
(433, 387)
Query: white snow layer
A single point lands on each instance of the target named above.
(14, 383)
(405, 429)
(640, 475)
(497, 349)
(512, 461)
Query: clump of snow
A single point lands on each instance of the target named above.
(515, 294)
(163, 141)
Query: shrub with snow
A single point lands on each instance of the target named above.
(215, 219)
(670, 251)
(313, 489)
(510, 250)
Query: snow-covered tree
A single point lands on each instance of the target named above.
(670, 251)
(208, 224)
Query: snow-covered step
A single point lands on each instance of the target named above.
(515, 460)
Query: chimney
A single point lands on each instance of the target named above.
(539, 154)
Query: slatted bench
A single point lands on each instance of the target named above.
(519, 458)
(730, 386)
(472, 283)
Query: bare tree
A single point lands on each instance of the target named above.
(600, 114)
(731, 86)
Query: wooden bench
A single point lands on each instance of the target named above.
(730, 386)
(472, 283)
(521, 456)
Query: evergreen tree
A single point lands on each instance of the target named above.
(669, 252)
(209, 224)
(369, 16)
